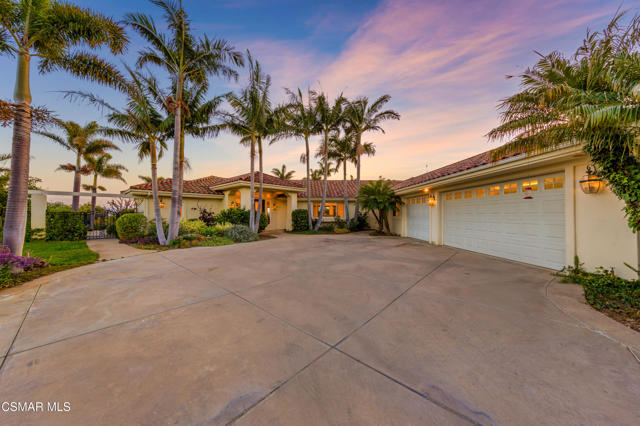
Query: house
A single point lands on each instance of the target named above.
(280, 197)
(530, 209)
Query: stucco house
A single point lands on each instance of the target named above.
(530, 209)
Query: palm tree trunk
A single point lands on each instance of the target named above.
(252, 154)
(174, 216)
(344, 187)
(181, 172)
(358, 155)
(325, 162)
(75, 200)
(15, 220)
(309, 211)
(154, 190)
(94, 189)
(385, 219)
(259, 213)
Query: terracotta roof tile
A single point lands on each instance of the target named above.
(335, 188)
(195, 186)
(267, 179)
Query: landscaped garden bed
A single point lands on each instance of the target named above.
(614, 296)
(44, 258)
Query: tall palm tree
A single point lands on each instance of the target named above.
(139, 123)
(590, 99)
(100, 166)
(330, 118)
(363, 117)
(301, 121)
(248, 120)
(186, 59)
(83, 141)
(50, 31)
(283, 173)
(343, 151)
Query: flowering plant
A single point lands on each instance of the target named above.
(18, 264)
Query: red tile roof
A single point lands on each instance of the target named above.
(478, 160)
(335, 188)
(267, 179)
(195, 186)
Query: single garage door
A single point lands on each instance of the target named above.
(496, 219)
(418, 218)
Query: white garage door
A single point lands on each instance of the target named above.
(418, 218)
(496, 219)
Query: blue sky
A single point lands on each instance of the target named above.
(443, 62)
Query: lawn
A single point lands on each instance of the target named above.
(60, 255)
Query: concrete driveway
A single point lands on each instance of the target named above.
(344, 329)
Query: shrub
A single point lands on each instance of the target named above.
(65, 226)
(359, 223)
(131, 225)
(299, 220)
(216, 230)
(240, 216)
(240, 234)
(151, 228)
(327, 227)
(19, 264)
(341, 230)
(207, 216)
(341, 223)
(111, 226)
(192, 226)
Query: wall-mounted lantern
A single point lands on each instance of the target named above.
(590, 183)
(162, 204)
(426, 190)
(432, 200)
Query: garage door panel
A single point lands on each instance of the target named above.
(507, 225)
(418, 218)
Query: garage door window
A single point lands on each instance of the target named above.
(494, 190)
(531, 185)
(449, 196)
(511, 188)
(458, 195)
(480, 192)
(468, 194)
(554, 182)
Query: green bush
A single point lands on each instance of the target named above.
(299, 220)
(153, 232)
(360, 223)
(240, 216)
(241, 234)
(65, 226)
(192, 226)
(216, 230)
(131, 225)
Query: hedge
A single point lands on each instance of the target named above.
(299, 220)
(65, 226)
(131, 225)
(240, 216)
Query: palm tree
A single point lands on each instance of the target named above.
(365, 117)
(591, 99)
(139, 123)
(186, 59)
(342, 150)
(379, 198)
(50, 31)
(84, 141)
(301, 121)
(330, 118)
(251, 109)
(149, 179)
(100, 166)
(282, 172)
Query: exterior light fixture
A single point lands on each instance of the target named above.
(162, 204)
(426, 190)
(590, 183)
(432, 200)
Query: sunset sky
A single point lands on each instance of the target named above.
(443, 62)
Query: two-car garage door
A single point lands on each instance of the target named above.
(496, 219)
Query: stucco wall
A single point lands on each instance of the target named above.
(602, 236)
(302, 204)
(189, 210)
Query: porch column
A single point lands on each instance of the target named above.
(38, 211)
(225, 201)
(292, 204)
(245, 198)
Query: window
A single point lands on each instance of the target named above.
(468, 194)
(458, 195)
(531, 184)
(510, 188)
(480, 192)
(449, 195)
(494, 190)
(330, 210)
(554, 182)
(397, 212)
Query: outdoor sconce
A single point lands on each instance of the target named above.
(432, 200)
(426, 190)
(590, 183)
(162, 204)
